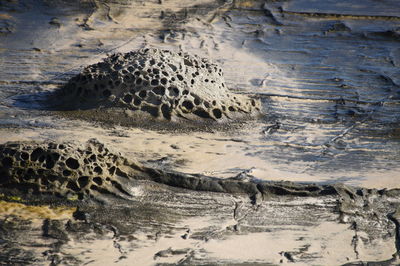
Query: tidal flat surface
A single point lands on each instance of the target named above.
(328, 76)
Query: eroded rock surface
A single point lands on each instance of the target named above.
(63, 170)
(162, 84)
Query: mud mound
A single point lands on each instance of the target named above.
(160, 83)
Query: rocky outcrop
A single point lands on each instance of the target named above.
(65, 170)
(159, 84)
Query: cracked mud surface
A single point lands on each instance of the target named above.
(327, 75)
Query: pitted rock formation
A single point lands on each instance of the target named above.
(62, 170)
(65, 170)
(93, 171)
(161, 83)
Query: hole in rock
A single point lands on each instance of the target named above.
(24, 156)
(98, 170)
(143, 94)
(150, 109)
(36, 153)
(166, 111)
(187, 62)
(160, 90)
(217, 113)
(127, 98)
(174, 68)
(72, 163)
(55, 156)
(154, 82)
(67, 172)
(173, 92)
(42, 158)
(98, 180)
(137, 101)
(111, 170)
(201, 113)
(93, 157)
(83, 181)
(188, 105)
(73, 186)
(49, 162)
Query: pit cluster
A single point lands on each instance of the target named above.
(62, 169)
(164, 84)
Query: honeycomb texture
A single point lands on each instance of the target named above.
(62, 169)
(164, 84)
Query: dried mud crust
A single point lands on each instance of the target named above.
(159, 84)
